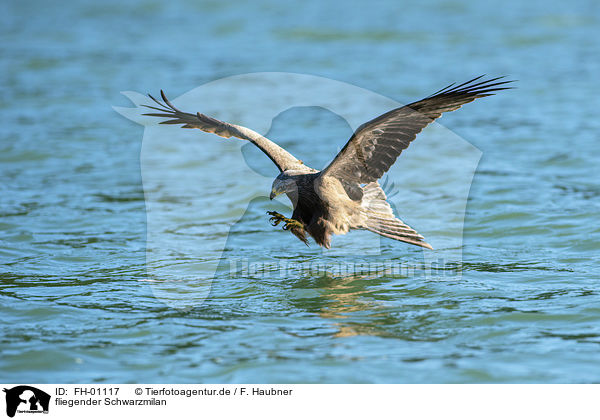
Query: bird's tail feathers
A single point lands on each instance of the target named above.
(395, 229)
(380, 219)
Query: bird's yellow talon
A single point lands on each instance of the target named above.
(288, 223)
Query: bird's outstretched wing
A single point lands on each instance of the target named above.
(280, 157)
(376, 145)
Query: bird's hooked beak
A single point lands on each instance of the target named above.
(278, 187)
(282, 186)
(274, 193)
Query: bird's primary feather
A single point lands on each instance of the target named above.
(375, 145)
(283, 159)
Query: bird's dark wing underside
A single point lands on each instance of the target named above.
(376, 145)
(281, 157)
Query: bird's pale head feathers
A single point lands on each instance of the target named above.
(284, 183)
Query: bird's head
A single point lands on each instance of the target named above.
(284, 183)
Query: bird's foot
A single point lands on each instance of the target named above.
(277, 218)
(293, 225)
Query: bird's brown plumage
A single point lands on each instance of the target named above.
(346, 195)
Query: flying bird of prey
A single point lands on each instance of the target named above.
(346, 194)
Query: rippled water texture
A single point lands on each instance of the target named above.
(516, 300)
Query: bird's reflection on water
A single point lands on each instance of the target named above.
(373, 304)
(342, 298)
